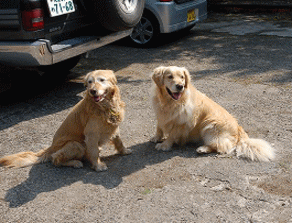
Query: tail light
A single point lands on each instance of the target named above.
(33, 20)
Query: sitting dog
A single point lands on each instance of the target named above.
(184, 115)
(92, 123)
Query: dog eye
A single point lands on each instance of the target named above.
(90, 82)
(102, 80)
(170, 77)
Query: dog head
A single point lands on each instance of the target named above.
(100, 84)
(174, 79)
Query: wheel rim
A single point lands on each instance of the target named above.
(143, 31)
(128, 6)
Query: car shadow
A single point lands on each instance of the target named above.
(31, 95)
(46, 177)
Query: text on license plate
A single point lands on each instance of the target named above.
(191, 15)
(60, 7)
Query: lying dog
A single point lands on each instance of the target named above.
(186, 115)
(92, 123)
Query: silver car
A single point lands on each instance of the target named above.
(166, 16)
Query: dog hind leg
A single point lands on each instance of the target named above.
(205, 149)
(69, 155)
(73, 163)
(222, 143)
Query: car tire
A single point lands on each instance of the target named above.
(146, 32)
(116, 15)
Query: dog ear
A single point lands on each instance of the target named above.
(112, 77)
(115, 91)
(86, 78)
(157, 76)
(187, 76)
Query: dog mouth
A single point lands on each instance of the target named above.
(176, 95)
(97, 98)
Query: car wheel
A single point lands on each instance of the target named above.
(145, 32)
(116, 15)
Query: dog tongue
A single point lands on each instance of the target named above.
(176, 96)
(97, 98)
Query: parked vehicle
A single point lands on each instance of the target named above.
(166, 16)
(45, 33)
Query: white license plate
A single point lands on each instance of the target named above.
(60, 7)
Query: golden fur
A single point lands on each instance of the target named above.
(184, 115)
(91, 124)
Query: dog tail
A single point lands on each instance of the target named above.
(24, 159)
(254, 149)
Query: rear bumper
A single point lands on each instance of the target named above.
(41, 52)
(173, 17)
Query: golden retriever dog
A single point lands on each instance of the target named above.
(184, 114)
(92, 123)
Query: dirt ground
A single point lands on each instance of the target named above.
(243, 62)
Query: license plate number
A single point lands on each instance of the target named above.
(60, 7)
(191, 15)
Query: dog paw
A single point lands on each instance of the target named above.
(204, 149)
(163, 147)
(126, 151)
(101, 166)
(77, 164)
(156, 139)
(57, 159)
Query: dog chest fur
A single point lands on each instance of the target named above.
(173, 112)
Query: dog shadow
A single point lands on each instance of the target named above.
(46, 177)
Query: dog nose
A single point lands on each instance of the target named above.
(93, 92)
(179, 87)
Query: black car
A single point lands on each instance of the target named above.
(42, 33)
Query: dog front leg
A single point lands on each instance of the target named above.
(92, 153)
(165, 145)
(158, 136)
(168, 142)
(175, 136)
(116, 140)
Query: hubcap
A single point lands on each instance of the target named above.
(128, 6)
(143, 31)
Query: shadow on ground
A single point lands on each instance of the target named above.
(266, 59)
(45, 177)
(31, 96)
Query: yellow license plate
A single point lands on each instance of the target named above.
(191, 16)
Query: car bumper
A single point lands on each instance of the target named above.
(175, 15)
(41, 52)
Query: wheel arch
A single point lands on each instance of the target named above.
(154, 15)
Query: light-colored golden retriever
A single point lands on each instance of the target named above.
(184, 114)
(92, 123)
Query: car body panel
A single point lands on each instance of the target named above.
(172, 16)
(41, 52)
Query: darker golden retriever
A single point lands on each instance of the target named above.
(92, 123)
(184, 115)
